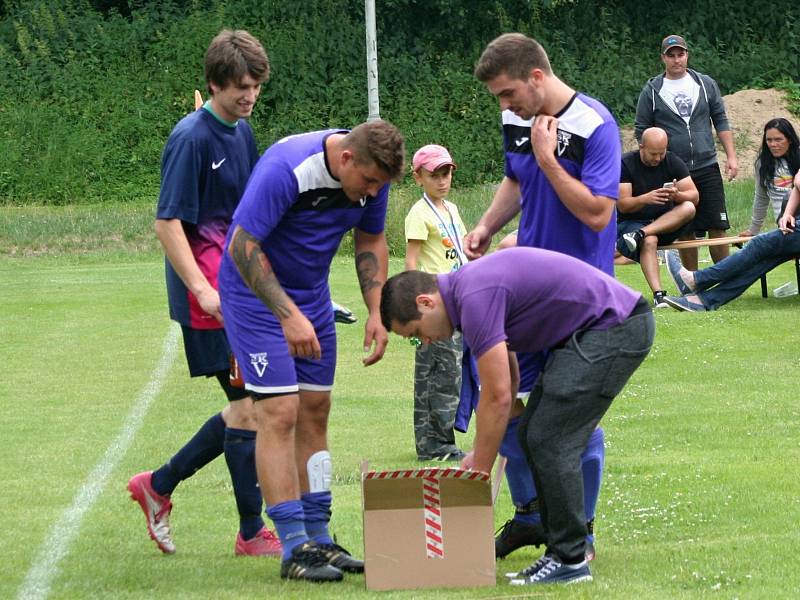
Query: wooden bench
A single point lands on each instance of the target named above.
(736, 240)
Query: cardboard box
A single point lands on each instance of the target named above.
(427, 528)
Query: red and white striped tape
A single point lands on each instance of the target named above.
(448, 473)
(431, 499)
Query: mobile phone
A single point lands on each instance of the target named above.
(669, 184)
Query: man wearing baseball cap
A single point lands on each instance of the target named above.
(685, 104)
(434, 233)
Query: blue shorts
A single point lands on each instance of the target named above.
(207, 351)
(258, 343)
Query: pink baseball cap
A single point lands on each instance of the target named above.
(431, 157)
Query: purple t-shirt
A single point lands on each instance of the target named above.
(299, 213)
(532, 299)
(589, 149)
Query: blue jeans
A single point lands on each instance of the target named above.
(729, 278)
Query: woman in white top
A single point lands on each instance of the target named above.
(775, 167)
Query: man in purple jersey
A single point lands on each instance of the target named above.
(562, 167)
(206, 162)
(305, 193)
(525, 299)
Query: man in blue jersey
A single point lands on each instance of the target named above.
(525, 299)
(305, 193)
(204, 169)
(562, 168)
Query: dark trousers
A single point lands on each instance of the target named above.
(573, 392)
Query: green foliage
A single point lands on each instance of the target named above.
(91, 89)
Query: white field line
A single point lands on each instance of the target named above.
(56, 546)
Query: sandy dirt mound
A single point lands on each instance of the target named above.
(747, 110)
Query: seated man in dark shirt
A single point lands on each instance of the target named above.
(657, 197)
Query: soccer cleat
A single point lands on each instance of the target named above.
(682, 303)
(308, 562)
(156, 510)
(265, 543)
(633, 240)
(675, 267)
(549, 569)
(590, 552)
(515, 534)
(342, 314)
(341, 558)
(658, 299)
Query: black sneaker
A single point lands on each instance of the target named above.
(515, 535)
(658, 299)
(633, 240)
(340, 558)
(342, 314)
(454, 456)
(309, 562)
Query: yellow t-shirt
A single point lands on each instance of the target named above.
(437, 255)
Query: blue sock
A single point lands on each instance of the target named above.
(206, 445)
(317, 508)
(240, 454)
(592, 461)
(289, 523)
(518, 475)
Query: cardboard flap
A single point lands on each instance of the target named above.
(390, 490)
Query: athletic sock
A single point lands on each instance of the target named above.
(290, 524)
(240, 455)
(206, 445)
(518, 475)
(592, 461)
(317, 509)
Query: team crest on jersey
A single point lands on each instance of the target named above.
(563, 141)
(259, 362)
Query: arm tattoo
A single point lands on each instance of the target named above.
(367, 269)
(257, 273)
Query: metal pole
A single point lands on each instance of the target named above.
(372, 62)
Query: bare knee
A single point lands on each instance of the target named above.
(240, 414)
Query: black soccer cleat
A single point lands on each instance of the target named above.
(341, 558)
(309, 563)
(515, 535)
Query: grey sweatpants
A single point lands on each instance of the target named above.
(573, 392)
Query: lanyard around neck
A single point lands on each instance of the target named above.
(451, 232)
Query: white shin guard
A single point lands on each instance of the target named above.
(319, 472)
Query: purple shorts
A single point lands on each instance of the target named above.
(257, 341)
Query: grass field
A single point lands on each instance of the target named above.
(701, 496)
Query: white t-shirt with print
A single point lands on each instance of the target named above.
(681, 95)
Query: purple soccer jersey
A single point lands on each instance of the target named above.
(300, 213)
(589, 149)
(532, 299)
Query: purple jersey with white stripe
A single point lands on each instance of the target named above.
(531, 299)
(588, 149)
(204, 170)
(300, 213)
